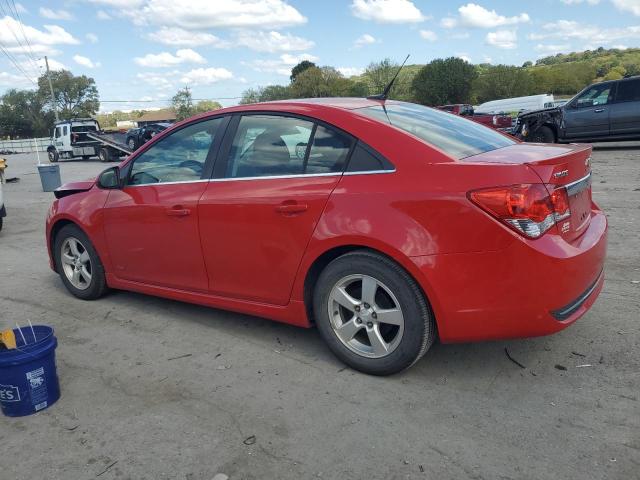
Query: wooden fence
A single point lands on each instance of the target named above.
(26, 145)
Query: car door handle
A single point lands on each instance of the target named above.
(292, 208)
(599, 110)
(178, 211)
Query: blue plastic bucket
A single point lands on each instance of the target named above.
(28, 379)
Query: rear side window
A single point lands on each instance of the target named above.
(64, 131)
(328, 152)
(365, 159)
(456, 136)
(275, 145)
(628, 91)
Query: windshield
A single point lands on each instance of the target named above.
(458, 137)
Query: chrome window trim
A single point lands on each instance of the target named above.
(578, 186)
(370, 172)
(169, 183)
(268, 177)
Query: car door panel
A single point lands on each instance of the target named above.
(257, 216)
(254, 233)
(151, 225)
(625, 112)
(153, 237)
(588, 115)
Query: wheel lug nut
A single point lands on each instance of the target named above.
(374, 315)
(366, 305)
(370, 324)
(357, 308)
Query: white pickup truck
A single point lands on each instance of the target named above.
(69, 139)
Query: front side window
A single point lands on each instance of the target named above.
(180, 157)
(594, 95)
(273, 145)
(628, 91)
(456, 136)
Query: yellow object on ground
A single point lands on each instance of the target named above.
(8, 339)
(3, 164)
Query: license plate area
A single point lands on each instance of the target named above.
(579, 193)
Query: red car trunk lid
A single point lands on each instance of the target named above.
(567, 166)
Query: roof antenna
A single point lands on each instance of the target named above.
(383, 96)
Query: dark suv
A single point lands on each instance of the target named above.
(602, 112)
(141, 135)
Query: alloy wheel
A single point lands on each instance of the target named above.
(366, 316)
(76, 263)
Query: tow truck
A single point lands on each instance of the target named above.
(82, 138)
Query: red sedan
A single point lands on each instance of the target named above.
(384, 224)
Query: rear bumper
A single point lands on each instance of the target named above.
(531, 288)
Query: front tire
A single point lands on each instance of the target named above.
(53, 155)
(542, 135)
(78, 264)
(372, 314)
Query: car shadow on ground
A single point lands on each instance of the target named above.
(615, 147)
(481, 361)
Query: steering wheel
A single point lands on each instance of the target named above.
(193, 165)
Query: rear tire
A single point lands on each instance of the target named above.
(104, 155)
(131, 143)
(78, 264)
(386, 325)
(542, 135)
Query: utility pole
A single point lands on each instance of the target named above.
(53, 97)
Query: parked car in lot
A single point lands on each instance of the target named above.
(139, 136)
(384, 224)
(497, 121)
(607, 111)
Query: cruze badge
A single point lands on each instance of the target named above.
(562, 173)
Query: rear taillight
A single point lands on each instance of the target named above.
(527, 208)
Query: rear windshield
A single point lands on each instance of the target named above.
(458, 137)
(84, 128)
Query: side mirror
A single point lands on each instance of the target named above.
(109, 179)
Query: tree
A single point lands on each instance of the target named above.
(74, 96)
(299, 68)
(445, 81)
(23, 113)
(182, 103)
(207, 106)
(501, 81)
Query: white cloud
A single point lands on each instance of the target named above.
(206, 76)
(55, 14)
(365, 39)
(20, 8)
(571, 30)
(387, 11)
(102, 15)
(473, 15)
(507, 39)
(428, 35)
(350, 71)
(120, 4)
(180, 37)
(85, 61)
(272, 41)
(92, 37)
(10, 80)
(281, 65)
(166, 59)
(552, 49)
(464, 56)
(159, 81)
(40, 42)
(632, 6)
(200, 14)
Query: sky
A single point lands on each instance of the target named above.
(140, 52)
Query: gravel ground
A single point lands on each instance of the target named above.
(156, 389)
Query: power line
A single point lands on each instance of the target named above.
(21, 45)
(23, 32)
(16, 64)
